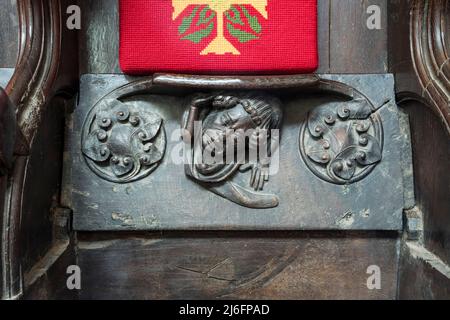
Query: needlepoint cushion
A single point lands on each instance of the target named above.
(218, 36)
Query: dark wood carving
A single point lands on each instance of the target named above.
(123, 142)
(230, 265)
(219, 104)
(429, 27)
(421, 64)
(33, 85)
(247, 120)
(34, 74)
(240, 82)
(342, 143)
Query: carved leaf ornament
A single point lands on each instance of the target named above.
(341, 142)
(123, 142)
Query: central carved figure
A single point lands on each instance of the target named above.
(228, 135)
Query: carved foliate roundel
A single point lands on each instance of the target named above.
(341, 142)
(122, 142)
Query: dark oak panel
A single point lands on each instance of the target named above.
(431, 154)
(399, 49)
(236, 265)
(42, 185)
(323, 20)
(353, 47)
(50, 282)
(418, 279)
(98, 44)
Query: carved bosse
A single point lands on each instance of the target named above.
(122, 142)
(342, 142)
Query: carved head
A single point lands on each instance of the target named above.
(240, 113)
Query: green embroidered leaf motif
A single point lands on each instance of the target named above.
(187, 21)
(203, 19)
(198, 36)
(237, 16)
(252, 20)
(242, 36)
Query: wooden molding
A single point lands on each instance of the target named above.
(32, 83)
(30, 89)
(430, 21)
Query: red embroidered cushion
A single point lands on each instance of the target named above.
(218, 36)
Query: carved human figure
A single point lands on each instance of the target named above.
(236, 132)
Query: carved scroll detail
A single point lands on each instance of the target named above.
(122, 142)
(341, 142)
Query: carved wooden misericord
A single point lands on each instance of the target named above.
(352, 120)
(40, 75)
